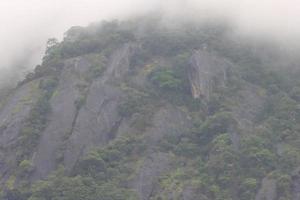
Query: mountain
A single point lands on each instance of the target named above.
(151, 110)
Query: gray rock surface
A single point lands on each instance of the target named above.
(99, 118)
(191, 193)
(296, 184)
(167, 121)
(119, 63)
(95, 123)
(206, 72)
(148, 175)
(15, 112)
(62, 116)
(249, 103)
(267, 190)
(12, 116)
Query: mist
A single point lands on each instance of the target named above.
(26, 25)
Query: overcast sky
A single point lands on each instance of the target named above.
(26, 24)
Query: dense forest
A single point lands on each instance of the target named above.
(151, 110)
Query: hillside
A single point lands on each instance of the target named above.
(141, 110)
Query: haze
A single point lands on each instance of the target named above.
(26, 25)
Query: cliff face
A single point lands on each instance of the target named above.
(120, 112)
(98, 120)
(13, 115)
(206, 73)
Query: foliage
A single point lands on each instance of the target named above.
(219, 156)
(131, 105)
(215, 125)
(248, 188)
(107, 36)
(165, 79)
(92, 177)
(258, 157)
(37, 119)
(25, 168)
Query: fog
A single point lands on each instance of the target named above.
(26, 25)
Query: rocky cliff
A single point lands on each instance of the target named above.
(124, 111)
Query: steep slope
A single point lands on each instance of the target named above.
(139, 110)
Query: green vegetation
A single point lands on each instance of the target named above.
(227, 147)
(77, 188)
(98, 175)
(37, 119)
(25, 168)
(165, 79)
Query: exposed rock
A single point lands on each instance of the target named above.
(119, 63)
(98, 120)
(15, 112)
(95, 122)
(147, 177)
(234, 137)
(267, 190)
(12, 116)
(62, 116)
(249, 102)
(167, 148)
(191, 193)
(296, 184)
(167, 121)
(206, 72)
(185, 192)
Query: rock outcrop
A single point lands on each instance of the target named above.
(267, 190)
(296, 184)
(60, 123)
(126, 112)
(13, 116)
(99, 119)
(206, 73)
(16, 111)
(146, 181)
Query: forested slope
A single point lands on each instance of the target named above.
(145, 110)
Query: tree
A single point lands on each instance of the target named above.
(165, 79)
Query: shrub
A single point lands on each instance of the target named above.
(165, 79)
(90, 165)
(215, 125)
(248, 188)
(25, 168)
(37, 119)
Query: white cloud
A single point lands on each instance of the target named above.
(26, 25)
